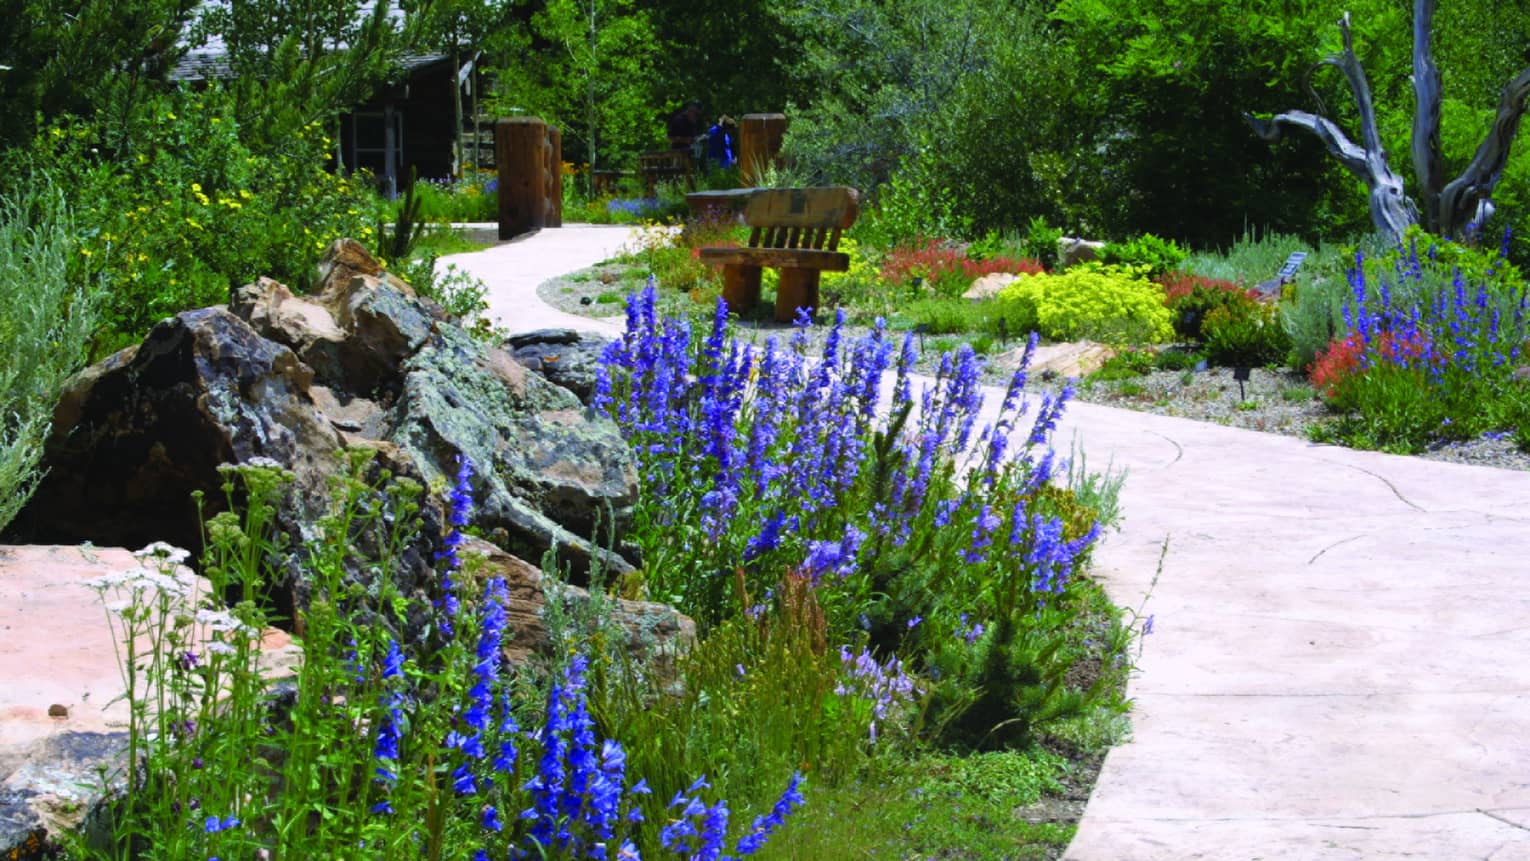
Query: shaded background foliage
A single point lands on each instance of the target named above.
(1101, 117)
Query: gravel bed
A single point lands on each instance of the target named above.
(1270, 401)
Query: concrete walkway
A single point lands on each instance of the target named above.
(513, 270)
(1340, 666)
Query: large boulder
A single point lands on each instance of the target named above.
(136, 435)
(293, 379)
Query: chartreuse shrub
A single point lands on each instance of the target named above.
(915, 529)
(405, 735)
(1104, 303)
(52, 299)
(1428, 350)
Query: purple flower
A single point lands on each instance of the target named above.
(766, 824)
(213, 825)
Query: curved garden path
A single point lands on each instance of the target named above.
(1340, 666)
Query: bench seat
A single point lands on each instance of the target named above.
(794, 230)
(779, 258)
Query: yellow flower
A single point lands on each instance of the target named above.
(169, 115)
(86, 252)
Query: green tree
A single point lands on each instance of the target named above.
(733, 63)
(1169, 80)
(296, 63)
(81, 56)
(587, 67)
(460, 29)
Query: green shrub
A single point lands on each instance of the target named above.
(196, 211)
(1158, 255)
(1245, 333)
(49, 310)
(1125, 365)
(1177, 360)
(1191, 296)
(1105, 303)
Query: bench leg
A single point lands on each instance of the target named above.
(798, 289)
(741, 287)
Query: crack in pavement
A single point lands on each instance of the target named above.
(1179, 450)
(1384, 480)
(1491, 815)
(1320, 553)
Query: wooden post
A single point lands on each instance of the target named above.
(741, 287)
(520, 151)
(555, 177)
(759, 141)
(798, 289)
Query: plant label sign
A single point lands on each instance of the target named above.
(1293, 263)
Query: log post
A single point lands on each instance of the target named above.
(554, 177)
(798, 289)
(759, 141)
(741, 287)
(520, 151)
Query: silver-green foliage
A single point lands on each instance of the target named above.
(46, 318)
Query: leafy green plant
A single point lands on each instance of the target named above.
(197, 211)
(51, 307)
(1041, 242)
(1104, 303)
(1157, 255)
(1125, 365)
(1244, 333)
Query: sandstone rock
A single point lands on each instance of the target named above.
(57, 655)
(1074, 360)
(564, 356)
(1072, 251)
(988, 286)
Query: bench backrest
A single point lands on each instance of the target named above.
(800, 217)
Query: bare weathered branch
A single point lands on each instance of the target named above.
(1428, 159)
(1391, 210)
(1333, 137)
(1346, 62)
(1460, 198)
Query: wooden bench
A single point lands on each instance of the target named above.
(795, 230)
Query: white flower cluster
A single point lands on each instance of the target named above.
(161, 576)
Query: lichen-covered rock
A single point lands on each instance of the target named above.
(363, 363)
(548, 470)
(656, 635)
(136, 435)
(564, 356)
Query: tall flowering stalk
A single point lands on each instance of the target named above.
(755, 465)
(1430, 343)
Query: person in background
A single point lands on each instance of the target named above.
(684, 126)
(720, 139)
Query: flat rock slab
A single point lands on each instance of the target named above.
(61, 722)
